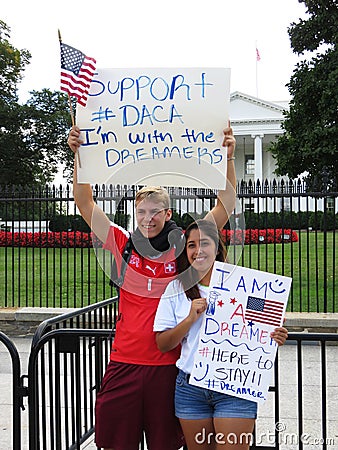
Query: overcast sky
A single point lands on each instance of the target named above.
(149, 33)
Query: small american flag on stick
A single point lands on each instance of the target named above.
(77, 71)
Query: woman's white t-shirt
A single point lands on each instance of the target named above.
(174, 307)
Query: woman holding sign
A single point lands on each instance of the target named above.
(209, 419)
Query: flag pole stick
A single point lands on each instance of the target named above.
(71, 109)
(73, 124)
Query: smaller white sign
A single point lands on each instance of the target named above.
(236, 353)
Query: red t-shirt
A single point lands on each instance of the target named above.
(144, 283)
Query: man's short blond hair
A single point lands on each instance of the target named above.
(156, 194)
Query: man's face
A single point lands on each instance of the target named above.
(151, 217)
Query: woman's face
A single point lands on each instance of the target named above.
(201, 251)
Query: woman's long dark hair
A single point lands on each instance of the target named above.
(187, 275)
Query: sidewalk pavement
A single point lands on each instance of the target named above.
(265, 427)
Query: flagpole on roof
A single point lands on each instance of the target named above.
(71, 109)
(257, 59)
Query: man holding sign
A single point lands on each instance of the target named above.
(137, 392)
(212, 417)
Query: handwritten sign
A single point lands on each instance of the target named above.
(236, 354)
(155, 127)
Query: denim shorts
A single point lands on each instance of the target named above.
(194, 402)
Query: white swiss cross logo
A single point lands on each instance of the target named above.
(134, 261)
(170, 267)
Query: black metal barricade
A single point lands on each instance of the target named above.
(68, 358)
(18, 391)
(66, 366)
(77, 358)
(305, 402)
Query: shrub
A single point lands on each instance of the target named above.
(68, 223)
(328, 221)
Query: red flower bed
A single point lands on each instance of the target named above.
(50, 239)
(251, 236)
(80, 239)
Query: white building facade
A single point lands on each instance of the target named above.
(256, 124)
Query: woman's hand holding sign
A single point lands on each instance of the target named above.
(279, 335)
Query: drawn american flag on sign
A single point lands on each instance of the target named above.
(265, 311)
(77, 71)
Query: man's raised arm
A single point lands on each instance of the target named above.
(83, 195)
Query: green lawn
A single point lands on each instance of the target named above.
(51, 276)
(74, 278)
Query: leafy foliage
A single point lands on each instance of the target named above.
(310, 139)
(32, 136)
(12, 64)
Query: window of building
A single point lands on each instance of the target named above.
(330, 204)
(249, 165)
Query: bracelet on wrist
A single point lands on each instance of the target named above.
(232, 158)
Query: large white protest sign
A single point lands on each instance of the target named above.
(236, 353)
(159, 126)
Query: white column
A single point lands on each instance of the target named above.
(258, 156)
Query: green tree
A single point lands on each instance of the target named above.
(310, 138)
(47, 130)
(32, 136)
(12, 65)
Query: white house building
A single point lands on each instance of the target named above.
(256, 123)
